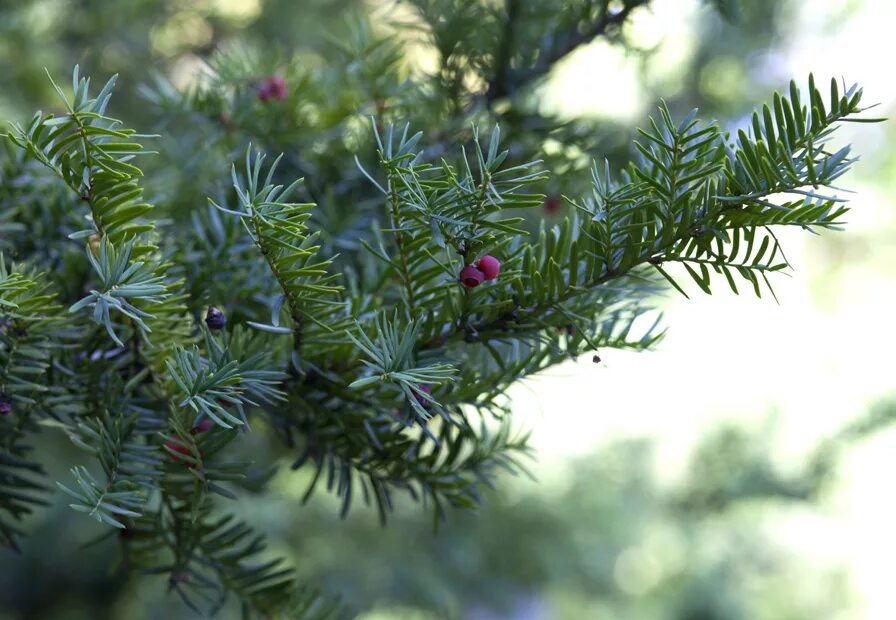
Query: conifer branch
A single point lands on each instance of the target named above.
(555, 47)
(410, 300)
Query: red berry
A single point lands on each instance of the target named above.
(470, 276)
(273, 87)
(552, 205)
(278, 87)
(203, 426)
(176, 445)
(489, 266)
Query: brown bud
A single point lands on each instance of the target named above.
(93, 242)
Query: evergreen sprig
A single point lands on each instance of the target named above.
(22, 489)
(32, 331)
(211, 385)
(392, 361)
(699, 200)
(123, 283)
(211, 558)
(91, 153)
(279, 231)
(130, 464)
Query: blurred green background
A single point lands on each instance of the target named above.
(754, 486)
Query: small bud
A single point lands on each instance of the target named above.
(215, 318)
(226, 120)
(5, 405)
(203, 426)
(471, 277)
(179, 577)
(489, 266)
(93, 242)
(568, 329)
(596, 359)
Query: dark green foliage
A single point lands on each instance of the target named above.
(31, 331)
(209, 558)
(130, 465)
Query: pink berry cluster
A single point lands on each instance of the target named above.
(273, 87)
(486, 268)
